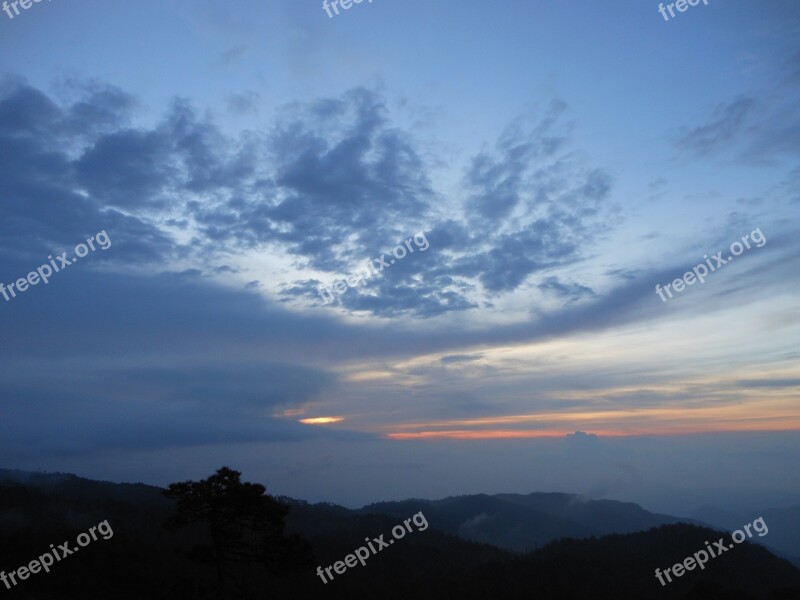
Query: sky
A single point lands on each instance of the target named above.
(525, 178)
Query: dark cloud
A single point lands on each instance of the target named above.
(154, 169)
(332, 184)
(108, 420)
(516, 255)
(346, 181)
(726, 122)
(568, 292)
(96, 108)
(538, 204)
(45, 206)
(498, 179)
(341, 182)
(345, 172)
(757, 128)
(458, 358)
(768, 383)
(128, 169)
(261, 385)
(532, 206)
(90, 388)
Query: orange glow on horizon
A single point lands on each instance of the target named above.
(476, 435)
(761, 415)
(733, 413)
(498, 434)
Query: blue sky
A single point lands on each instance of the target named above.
(562, 160)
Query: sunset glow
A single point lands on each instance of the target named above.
(321, 420)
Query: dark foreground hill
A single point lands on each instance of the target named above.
(143, 560)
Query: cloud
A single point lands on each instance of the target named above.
(791, 187)
(333, 183)
(540, 203)
(467, 527)
(347, 184)
(458, 358)
(234, 54)
(236, 202)
(128, 168)
(568, 292)
(581, 437)
(45, 205)
(768, 383)
(759, 127)
(498, 179)
(76, 410)
(246, 103)
(238, 386)
(726, 122)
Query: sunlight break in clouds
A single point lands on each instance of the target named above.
(321, 420)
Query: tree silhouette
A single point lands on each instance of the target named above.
(246, 528)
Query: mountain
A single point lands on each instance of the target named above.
(526, 522)
(71, 486)
(783, 524)
(144, 560)
(510, 521)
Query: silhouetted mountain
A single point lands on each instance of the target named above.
(71, 486)
(525, 522)
(144, 560)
